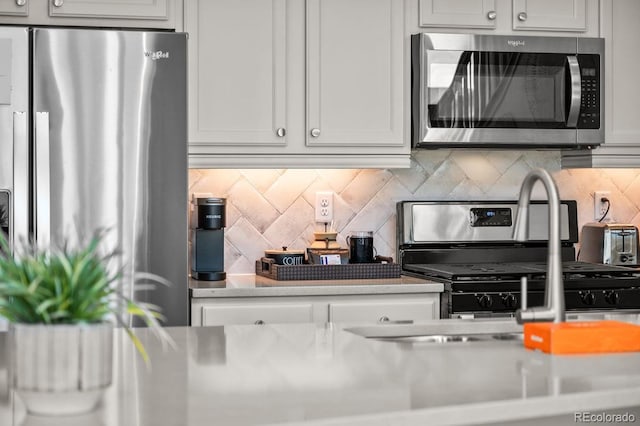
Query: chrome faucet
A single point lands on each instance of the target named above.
(554, 308)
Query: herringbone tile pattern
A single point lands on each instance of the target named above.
(272, 208)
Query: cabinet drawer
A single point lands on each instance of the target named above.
(252, 314)
(383, 311)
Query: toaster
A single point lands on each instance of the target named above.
(609, 243)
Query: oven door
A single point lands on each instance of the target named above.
(491, 97)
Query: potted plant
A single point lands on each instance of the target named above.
(62, 304)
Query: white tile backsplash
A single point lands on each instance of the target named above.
(271, 208)
(252, 205)
(290, 225)
(284, 191)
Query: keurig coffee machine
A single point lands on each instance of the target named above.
(207, 243)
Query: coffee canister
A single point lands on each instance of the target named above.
(286, 257)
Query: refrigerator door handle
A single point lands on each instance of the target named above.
(19, 220)
(42, 193)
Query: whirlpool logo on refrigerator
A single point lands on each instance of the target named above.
(515, 43)
(158, 54)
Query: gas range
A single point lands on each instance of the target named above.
(467, 246)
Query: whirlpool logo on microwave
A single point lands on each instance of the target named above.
(158, 54)
(515, 43)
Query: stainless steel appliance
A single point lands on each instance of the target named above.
(610, 243)
(93, 136)
(207, 242)
(518, 91)
(468, 246)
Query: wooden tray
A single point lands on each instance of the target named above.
(352, 271)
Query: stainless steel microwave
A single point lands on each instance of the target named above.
(507, 91)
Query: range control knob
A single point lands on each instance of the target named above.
(509, 300)
(588, 298)
(612, 297)
(485, 301)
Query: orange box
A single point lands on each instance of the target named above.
(582, 337)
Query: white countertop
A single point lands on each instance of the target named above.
(250, 285)
(311, 374)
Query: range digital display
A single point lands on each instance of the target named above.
(486, 216)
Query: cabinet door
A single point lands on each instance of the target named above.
(355, 73)
(257, 314)
(560, 15)
(384, 311)
(237, 72)
(459, 13)
(622, 95)
(14, 7)
(129, 9)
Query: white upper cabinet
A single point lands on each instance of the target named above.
(130, 9)
(562, 15)
(14, 7)
(622, 97)
(289, 83)
(160, 14)
(460, 13)
(512, 16)
(354, 73)
(621, 33)
(237, 73)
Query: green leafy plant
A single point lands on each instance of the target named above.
(70, 286)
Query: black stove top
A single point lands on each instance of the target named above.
(514, 270)
(505, 277)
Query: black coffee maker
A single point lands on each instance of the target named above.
(207, 242)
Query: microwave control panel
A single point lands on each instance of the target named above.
(590, 99)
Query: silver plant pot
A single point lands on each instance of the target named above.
(61, 369)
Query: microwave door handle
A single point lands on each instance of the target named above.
(42, 180)
(576, 91)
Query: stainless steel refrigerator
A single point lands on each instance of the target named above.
(93, 135)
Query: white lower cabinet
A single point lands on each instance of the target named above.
(316, 309)
(253, 314)
(384, 311)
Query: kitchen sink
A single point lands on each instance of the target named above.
(433, 338)
(452, 338)
(509, 336)
(443, 332)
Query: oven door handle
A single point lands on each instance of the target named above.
(575, 84)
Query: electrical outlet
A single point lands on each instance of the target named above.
(600, 207)
(324, 206)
